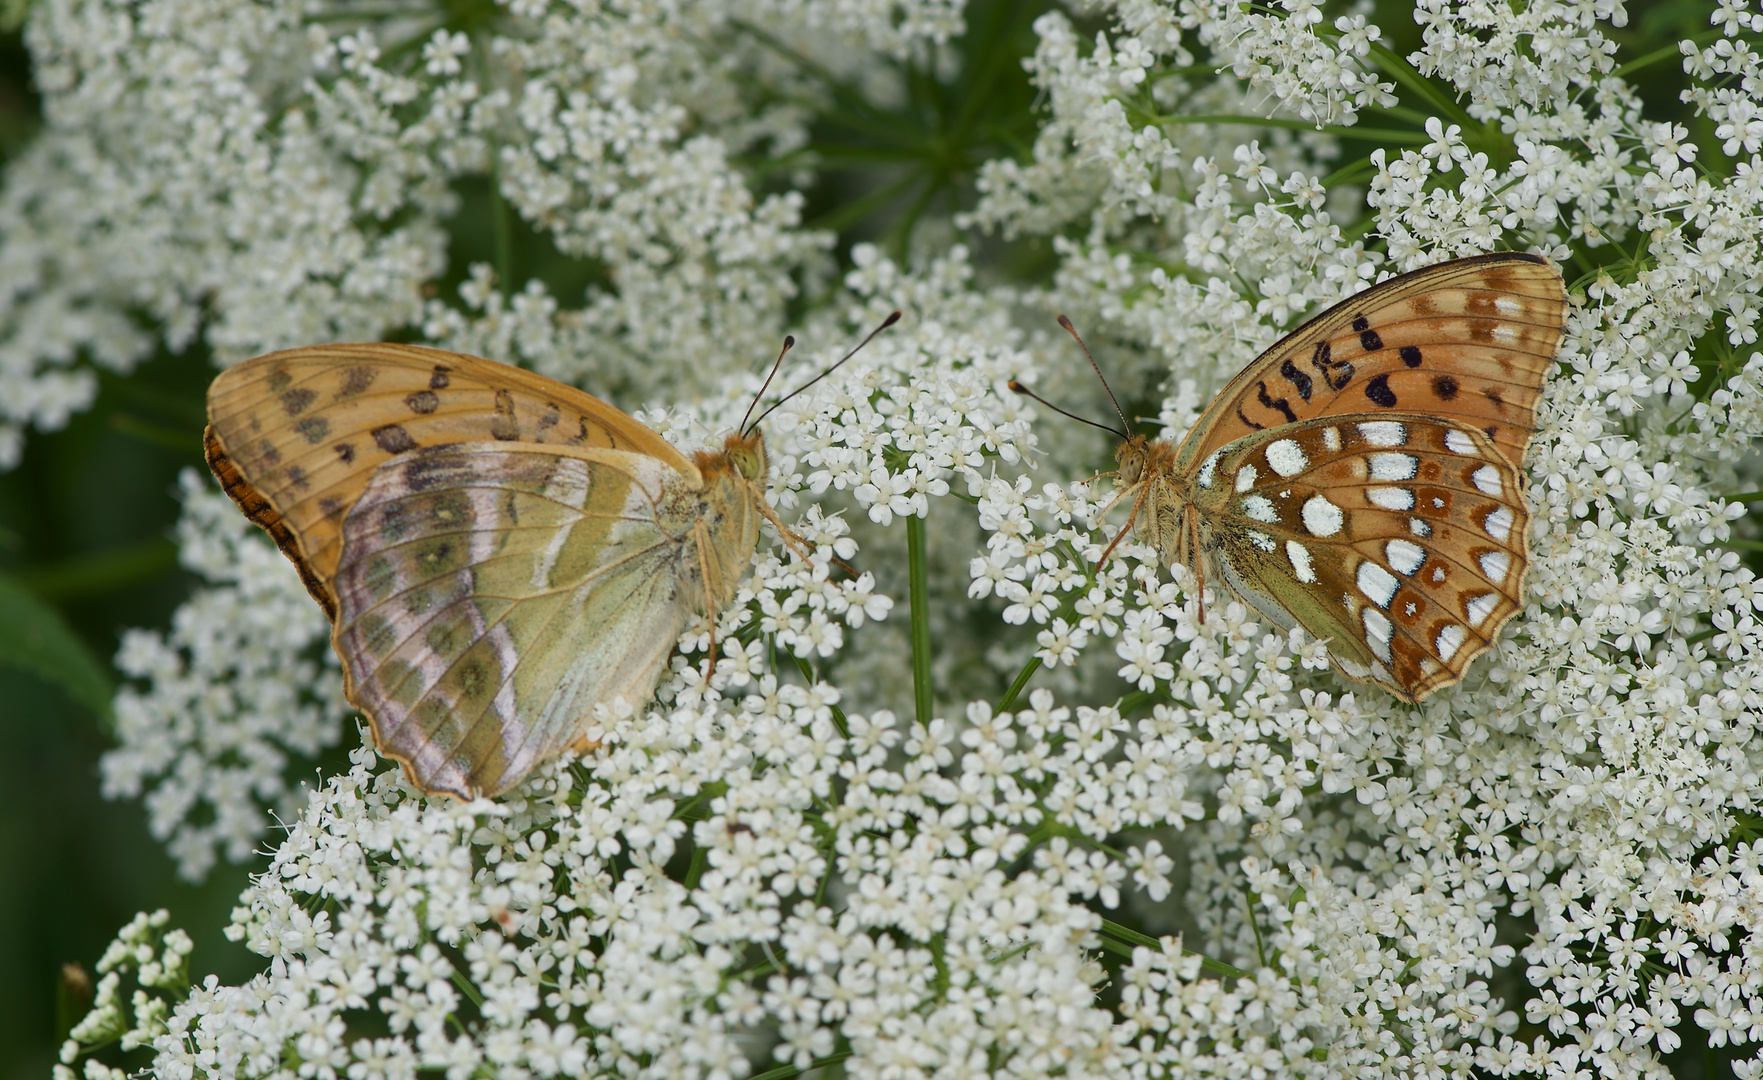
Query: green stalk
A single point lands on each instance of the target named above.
(1010, 695)
(919, 594)
(784, 1072)
(1131, 937)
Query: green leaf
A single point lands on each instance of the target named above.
(33, 635)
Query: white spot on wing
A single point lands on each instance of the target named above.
(1245, 477)
(1391, 498)
(1286, 458)
(1261, 540)
(1419, 527)
(1459, 443)
(1357, 671)
(1322, 517)
(1498, 524)
(1377, 632)
(1449, 640)
(1506, 335)
(1393, 466)
(1383, 433)
(568, 483)
(1260, 509)
(1507, 306)
(1487, 480)
(1300, 556)
(1208, 470)
(1480, 607)
(541, 578)
(1495, 564)
(1331, 438)
(1376, 583)
(1405, 558)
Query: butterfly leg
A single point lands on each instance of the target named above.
(797, 543)
(1199, 557)
(1137, 504)
(701, 533)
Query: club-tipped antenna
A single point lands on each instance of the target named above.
(1118, 411)
(887, 322)
(789, 343)
(1026, 392)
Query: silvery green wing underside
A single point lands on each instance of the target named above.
(490, 594)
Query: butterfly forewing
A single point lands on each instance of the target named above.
(295, 435)
(1401, 539)
(1468, 340)
(491, 593)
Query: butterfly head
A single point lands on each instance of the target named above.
(1130, 455)
(746, 454)
(1140, 457)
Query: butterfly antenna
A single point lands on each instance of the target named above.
(887, 322)
(1026, 392)
(1063, 321)
(789, 343)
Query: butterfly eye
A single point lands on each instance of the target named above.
(749, 461)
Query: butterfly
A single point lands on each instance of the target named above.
(1360, 478)
(497, 552)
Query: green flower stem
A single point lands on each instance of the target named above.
(1398, 68)
(1129, 937)
(1022, 678)
(808, 677)
(918, 589)
(1399, 136)
(1664, 52)
(785, 1072)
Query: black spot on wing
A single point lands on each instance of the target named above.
(355, 380)
(439, 380)
(503, 425)
(345, 452)
(1297, 378)
(393, 439)
(295, 401)
(1378, 390)
(423, 402)
(1410, 355)
(1369, 341)
(1444, 387)
(1280, 404)
(314, 428)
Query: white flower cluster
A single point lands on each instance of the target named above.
(243, 682)
(261, 176)
(1538, 872)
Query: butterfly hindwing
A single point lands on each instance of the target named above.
(295, 436)
(1399, 538)
(490, 594)
(1468, 340)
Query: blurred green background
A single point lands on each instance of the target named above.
(85, 519)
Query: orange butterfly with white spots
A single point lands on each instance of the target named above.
(1361, 478)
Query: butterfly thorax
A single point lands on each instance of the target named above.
(1155, 495)
(722, 515)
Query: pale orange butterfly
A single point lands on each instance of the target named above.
(1361, 477)
(497, 552)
